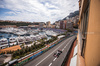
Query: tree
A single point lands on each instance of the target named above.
(69, 30)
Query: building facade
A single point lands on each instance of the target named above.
(41, 24)
(69, 25)
(57, 24)
(53, 26)
(89, 32)
(87, 49)
(63, 24)
(48, 24)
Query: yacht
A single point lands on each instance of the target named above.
(12, 41)
(3, 43)
(51, 33)
(28, 39)
(33, 37)
(38, 37)
(20, 40)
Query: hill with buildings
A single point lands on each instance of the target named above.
(72, 14)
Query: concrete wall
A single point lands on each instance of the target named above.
(92, 51)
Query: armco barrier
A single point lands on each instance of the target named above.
(26, 60)
(52, 45)
(36, 55)
(45, 50)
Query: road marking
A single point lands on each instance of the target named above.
(50, 64)
(48, 55)
(63, 49)
(65, 46)
(51, 53)
(54, 59)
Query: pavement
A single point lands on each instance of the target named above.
(68, 61)
(5, 58)
(47, 58)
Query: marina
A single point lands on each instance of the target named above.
(18, 36)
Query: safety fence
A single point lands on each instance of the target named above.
(39, 53)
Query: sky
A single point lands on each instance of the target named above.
(36, 10)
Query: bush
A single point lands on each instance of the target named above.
(27, 50)
(17, 57)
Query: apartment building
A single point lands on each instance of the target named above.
(57, 24)
(69, 25)
(87, 49)
(89, 31)
(48, 24)
(63, 24)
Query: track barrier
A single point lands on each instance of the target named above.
(41, 52)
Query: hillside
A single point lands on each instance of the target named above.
(72, 14)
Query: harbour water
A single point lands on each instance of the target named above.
(6, 35)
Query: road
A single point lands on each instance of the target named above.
(47, 58)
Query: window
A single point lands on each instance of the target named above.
(84, 28)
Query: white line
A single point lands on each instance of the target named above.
(50, 64)
(49, 54)
(30, 54)
(66, 46)
(62, 49)
(54, 59)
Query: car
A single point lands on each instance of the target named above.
(57, 53)
(60, 50)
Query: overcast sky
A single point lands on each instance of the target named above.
(36, 10)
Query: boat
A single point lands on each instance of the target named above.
(12, 41)
(51, 33)
(20, 40)
(38, 37)
(28, 39)
(3, 43)
(33, 37)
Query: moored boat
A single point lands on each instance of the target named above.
(3, 43)
(12, 41)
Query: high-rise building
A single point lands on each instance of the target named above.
(57, 24)
(69, 25)
(41, 24)
(63, 24)
(52, 26)
(48, 24)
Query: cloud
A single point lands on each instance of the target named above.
(37, 10)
